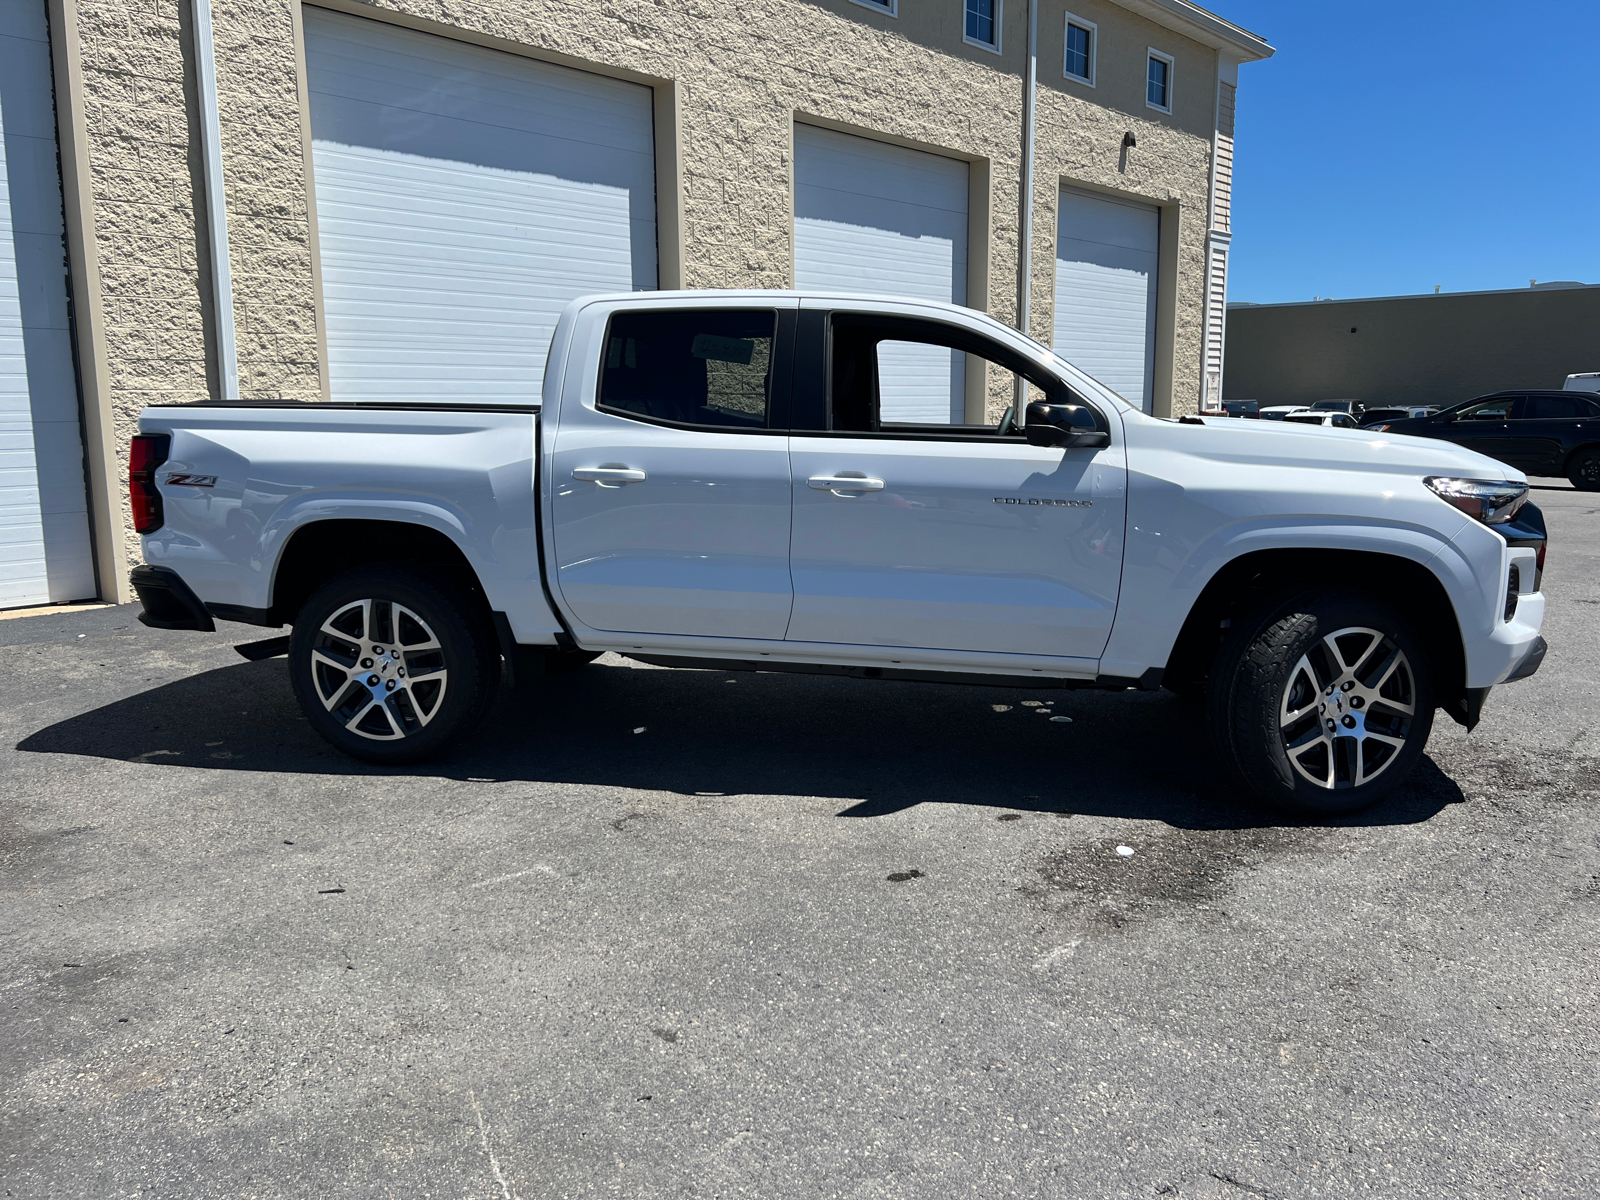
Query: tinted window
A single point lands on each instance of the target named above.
(1554, 408)
(895, 374)
(692, 367)
(1077, 51)
(1489, 410)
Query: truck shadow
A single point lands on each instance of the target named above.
(877, 747)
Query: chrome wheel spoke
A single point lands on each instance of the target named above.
(379, 669)
(1323, 722)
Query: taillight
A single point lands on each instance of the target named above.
(147, 452)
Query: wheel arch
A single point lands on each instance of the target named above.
(321, 549)
(1402, 582)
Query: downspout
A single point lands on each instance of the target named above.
(216, 202)
(1211, 237)
(1025, 232)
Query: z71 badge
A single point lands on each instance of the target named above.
(191, 481)
(1047, 502)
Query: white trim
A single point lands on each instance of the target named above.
(216, 203)
(999, 14)
(1172, 71)
(1094, 48)
(884, 8)
(1207, 28)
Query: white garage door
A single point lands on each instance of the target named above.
(871, 217)
(464, 196)
(1107, 253)
(45, 553)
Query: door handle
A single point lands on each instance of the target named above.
(610, 475)
(845, 483)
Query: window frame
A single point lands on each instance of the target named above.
(884, 8)
(999, 22)
(1057, 391)
(780, 370)
(1152, 54)
(1093, 30)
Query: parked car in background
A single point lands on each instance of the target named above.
(1584, 381)
(1242, 408)
(1378, 416)
(1277, 412)
(1538, 432)
(1354, 407)
(1328, 420)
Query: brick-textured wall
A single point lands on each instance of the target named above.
(742, 71)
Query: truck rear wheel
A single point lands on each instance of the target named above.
(1322, 703)
(390, 667)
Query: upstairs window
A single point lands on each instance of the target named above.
(983, 23)
(1158, 81)
(887, 7)
(1080, 40)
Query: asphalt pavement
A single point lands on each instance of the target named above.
(662, 933)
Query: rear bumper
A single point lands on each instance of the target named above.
(168, 601)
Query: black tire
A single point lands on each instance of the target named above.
(1269, 704)
(435, 677)
(1584, 470)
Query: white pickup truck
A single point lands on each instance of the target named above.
(842, 484)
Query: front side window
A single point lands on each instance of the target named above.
(1080, 50)
(707, 367)
(906, 376)
(1490, 410)
(983, 22)
(1158, 86)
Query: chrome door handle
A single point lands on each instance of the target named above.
(610, 476)
(845, 483)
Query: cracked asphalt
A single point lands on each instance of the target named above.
(800, 937)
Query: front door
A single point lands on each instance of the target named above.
(669, 487)
(1486, 427)
(943, 535)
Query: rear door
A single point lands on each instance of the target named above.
(1546, 427)
(941, 535)
(669, 488)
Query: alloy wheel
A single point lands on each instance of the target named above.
(379, 669)
(1348, 707)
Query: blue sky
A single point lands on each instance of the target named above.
(1390, 147)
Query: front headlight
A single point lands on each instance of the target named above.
(1492, 501)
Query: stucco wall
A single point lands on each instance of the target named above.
(742, 75)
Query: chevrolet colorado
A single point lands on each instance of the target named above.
(865, 486)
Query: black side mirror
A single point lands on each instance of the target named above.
(1067, 425)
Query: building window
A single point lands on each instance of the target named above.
(1080, 41)
(887, 7)
(983, 23)
(1158, 81)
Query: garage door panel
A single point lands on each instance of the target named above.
(464, 196)
(1107, 262)
(45, 552)
(871, 217)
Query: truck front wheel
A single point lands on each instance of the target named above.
(1322, 703)
(388, 666)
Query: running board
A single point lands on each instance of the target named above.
(268, 648)
(1147, 682)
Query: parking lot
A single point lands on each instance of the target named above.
(659, 933)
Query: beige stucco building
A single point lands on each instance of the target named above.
(360, 197)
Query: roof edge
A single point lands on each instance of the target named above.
(1526, 291)
(1203, 26)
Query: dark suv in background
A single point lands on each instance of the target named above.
(1538, 432)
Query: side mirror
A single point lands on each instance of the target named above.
(1068, 425)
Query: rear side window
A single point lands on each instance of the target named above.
(1556, 408)
(706, 367)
